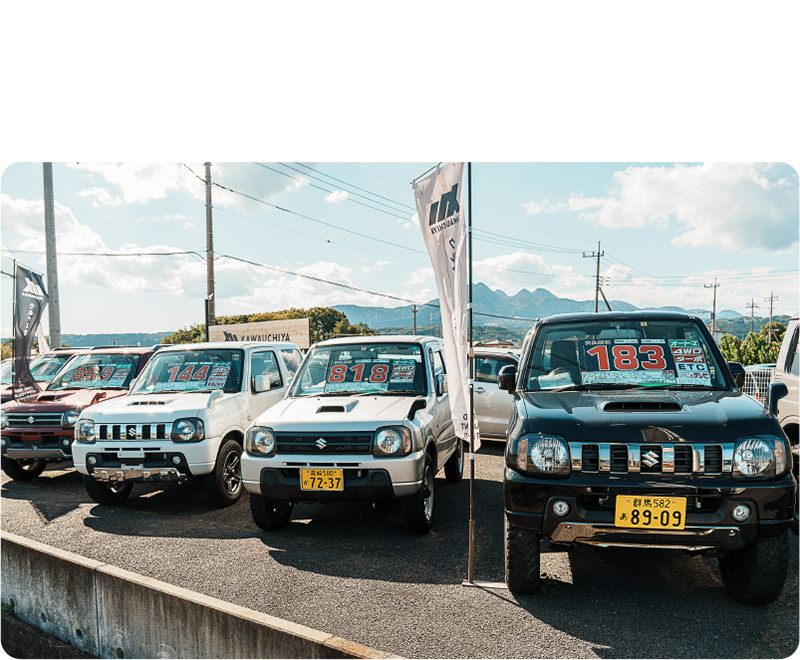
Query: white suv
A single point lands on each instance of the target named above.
(185, 416)
(366, 419)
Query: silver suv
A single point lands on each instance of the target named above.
(786, 371)
(366, 419)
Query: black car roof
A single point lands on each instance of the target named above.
(619, 316)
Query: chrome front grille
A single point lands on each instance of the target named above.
(323, 444)
(34, 420)
(133, 431)
(648, 458)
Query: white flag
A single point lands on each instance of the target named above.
(440, 209)
(43, 345)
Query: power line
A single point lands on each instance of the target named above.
(108, 254)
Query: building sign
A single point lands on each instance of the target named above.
(297, 331)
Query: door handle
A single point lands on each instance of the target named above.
(479, 390)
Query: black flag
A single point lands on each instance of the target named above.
(31, 301)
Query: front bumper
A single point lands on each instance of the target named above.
(139, 475)
(49, 443)
(709, 525)
(366, 478)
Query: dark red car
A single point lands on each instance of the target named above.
(40, 429)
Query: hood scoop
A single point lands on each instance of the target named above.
(337, 409)
(641, 406)
(47, 397)
(148, 403)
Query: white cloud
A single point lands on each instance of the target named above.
(101, 197)
(522, 270)
(336, 196)
(414, 222)
(535, 208)
(734, 206)
(378, 266)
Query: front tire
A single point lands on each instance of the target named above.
(224, 485)
(756, 573)
(454, 468)
(103, 493)
(270, 514)
(418, 508)
(24, 470)
(523, 559)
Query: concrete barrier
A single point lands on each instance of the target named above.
(113, 613)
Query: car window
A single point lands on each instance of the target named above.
(793, 369)
(192, 370)
(438, 364)
(264, 363)
(292, 359)
(625, 352)
(487, 368)
(97, 370)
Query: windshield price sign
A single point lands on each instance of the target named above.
(194, 376)
(690, 361)
(626, 361)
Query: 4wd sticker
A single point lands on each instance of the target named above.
(690, 361)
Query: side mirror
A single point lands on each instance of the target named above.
(261, 384)
(441, 384)
(737, 371)
(776, 392)
(507, 377)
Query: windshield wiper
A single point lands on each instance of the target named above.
(687, 386)
(388, 392)
(591, 387)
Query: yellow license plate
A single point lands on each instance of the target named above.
(650, 512)
(321, 480)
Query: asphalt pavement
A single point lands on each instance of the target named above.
(354, 571)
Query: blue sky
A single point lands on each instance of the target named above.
(667, 229)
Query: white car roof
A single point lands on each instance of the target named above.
(487, 350)
(228, 344)
(379, 339)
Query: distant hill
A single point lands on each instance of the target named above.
(120, 339)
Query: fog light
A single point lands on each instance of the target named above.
(2, 442)
(92, 460)
(65, 442)
(560, 508)
(176, 460)
(741, 512)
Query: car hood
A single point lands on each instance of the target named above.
(156, 408)
(60, 400)
(634, 416)
(355, 413)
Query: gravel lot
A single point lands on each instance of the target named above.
(352, 570)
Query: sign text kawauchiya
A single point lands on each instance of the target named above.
(297, 331)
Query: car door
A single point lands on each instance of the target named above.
(265, 363)
(493, 406)
(444, 433)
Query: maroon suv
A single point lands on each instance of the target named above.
(43, 367)
(40, 429)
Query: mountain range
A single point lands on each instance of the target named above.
(518, 309)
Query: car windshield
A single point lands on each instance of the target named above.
(7, 371)
(47, 366)
(97, 371)
(617, 354)
(391, 367)
(192, 371)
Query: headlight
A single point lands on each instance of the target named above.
(546, 454)
(259, 440)
(392, 441)
(3, 419)
(69, 418)
(188, 430)
(759, 456)
(84, 431)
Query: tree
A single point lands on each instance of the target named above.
(7, 348)
(754, 348)
(191, 335)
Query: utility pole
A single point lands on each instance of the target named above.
(605, 300)
(50, 249)
(772, 298)
(414, 310)
(714, 286)
(597, 255)
(211, 319)
(751, 307)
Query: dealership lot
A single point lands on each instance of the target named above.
(354, 571)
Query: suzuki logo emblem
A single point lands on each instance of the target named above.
(321, 444)
(650, 458)
(131, 432)
(31, 419)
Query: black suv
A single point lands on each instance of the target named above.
(629, 430)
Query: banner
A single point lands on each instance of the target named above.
(297, 331)
(31, 301)
(440, 208)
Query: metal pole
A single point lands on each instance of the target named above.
(714, 286)
(212, 319)
(415, 309)
(52, 259)
(597, 276)
(471, 567)
(206, 305)
(13, 323)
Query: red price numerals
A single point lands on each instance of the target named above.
(378, 373)
(626, 357)
(186, 374)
